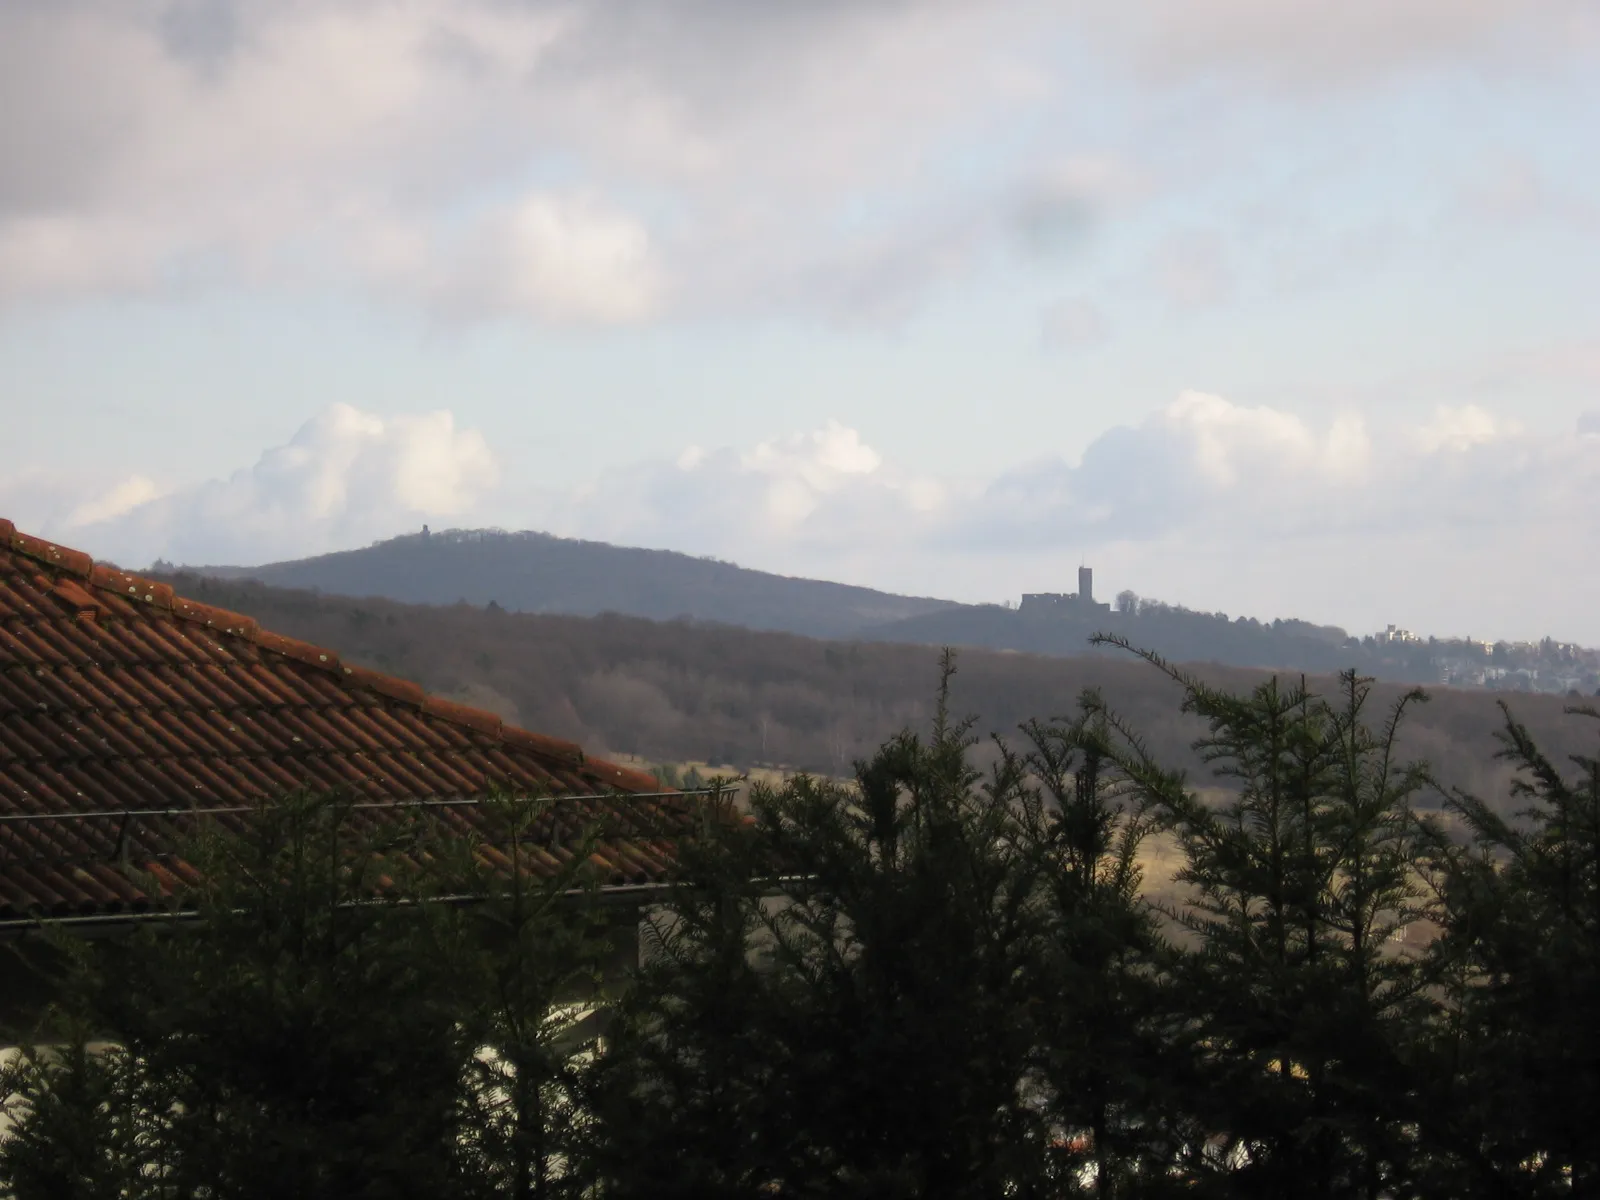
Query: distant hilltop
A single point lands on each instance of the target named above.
(535, 572)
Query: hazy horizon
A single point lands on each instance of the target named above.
(1054, 585)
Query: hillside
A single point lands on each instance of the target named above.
(1175, 632)
(539, 573)
(682, 691)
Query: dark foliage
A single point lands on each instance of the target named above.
(940, 979)
(867, 1030)
(297, 1039)
(1520, 950)
(684, 692)
(1298, 1011)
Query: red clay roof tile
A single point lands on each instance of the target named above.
(539, 744)
(312, 656)
(60, 557)
(69, 591)
(460, 714)
(117, 695)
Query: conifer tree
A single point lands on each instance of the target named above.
(537, 945)
(1520, 1053)
(73, 1131)
(1302, 1016)
(291, 1031)
(865, 1029)
(1102, 1013)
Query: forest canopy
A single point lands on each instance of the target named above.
(681, 691)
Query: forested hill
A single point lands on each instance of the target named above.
(540, 573)
(1177, 633)
(679, 691)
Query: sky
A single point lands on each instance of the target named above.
(1269, 307)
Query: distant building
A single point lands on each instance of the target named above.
(1395, 634)
(1079, 603)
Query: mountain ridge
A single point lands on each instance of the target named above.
(533, 572)
(685, 691)
(543, 574)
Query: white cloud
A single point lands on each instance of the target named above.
(821, 458)
(51, 255)
(560, 162)
(800, 471)
(1246, 508)
(794, 494)
(121, 498)
(343, 479)
(1459, 429)
(554, 258)
(608, 163)
(1228, 442)
(1220, 505)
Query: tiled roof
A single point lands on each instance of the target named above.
(118, 696)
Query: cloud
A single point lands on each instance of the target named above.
(1198, 463)
(551, 161)
(1295, 48)
(1447, 525)
(1456, 430)
(554, 258)
(796, 495)
(118, 500)
(1244, 480)
(1055, 212)
(344, 478)
(1228, 442)
(619, 162)
(1247, 508)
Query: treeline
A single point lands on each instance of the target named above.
(938, 981)
(530, 572)
(678, 691)
(1179, 633)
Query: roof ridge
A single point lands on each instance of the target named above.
(137, 588)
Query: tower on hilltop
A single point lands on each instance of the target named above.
(1078, 604)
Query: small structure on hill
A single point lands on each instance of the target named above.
(1069, 604)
